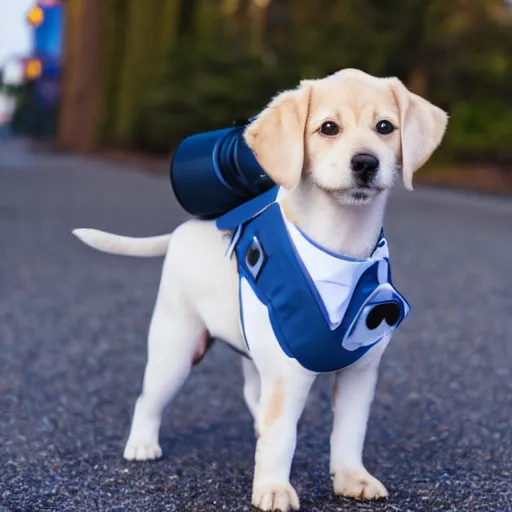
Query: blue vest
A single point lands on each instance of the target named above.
(268, 260)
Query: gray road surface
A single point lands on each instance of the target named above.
(73, 325)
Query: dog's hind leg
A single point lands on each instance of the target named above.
(177, 337)
(252, 385)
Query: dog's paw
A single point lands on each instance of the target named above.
(142, 450)
(359, 484)
(275, 497)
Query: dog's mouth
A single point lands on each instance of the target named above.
(362, 192)
(357, 194)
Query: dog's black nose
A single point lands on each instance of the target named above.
(364, 166)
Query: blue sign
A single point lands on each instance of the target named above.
(48, 35)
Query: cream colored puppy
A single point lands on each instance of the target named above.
(311, 142)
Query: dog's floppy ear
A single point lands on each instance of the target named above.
(277, 136)
(422, 127)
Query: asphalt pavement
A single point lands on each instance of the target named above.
(73, 326)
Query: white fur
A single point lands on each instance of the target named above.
(198, 293)
(127, 246)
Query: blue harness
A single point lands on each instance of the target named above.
(268, 260)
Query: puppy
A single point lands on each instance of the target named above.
(309, 141)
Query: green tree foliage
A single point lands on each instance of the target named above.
(222, 86)
(175, 67)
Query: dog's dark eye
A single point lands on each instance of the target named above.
(329, 128)
(384, 127)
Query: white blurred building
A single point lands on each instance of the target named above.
(6, 108)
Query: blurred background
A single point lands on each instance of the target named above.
(95, 92)
(139, 76)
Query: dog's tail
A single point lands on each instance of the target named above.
(124, 245)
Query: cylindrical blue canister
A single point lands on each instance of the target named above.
(214, 172)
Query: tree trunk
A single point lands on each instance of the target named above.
(279, 23)
(89, 77)
(113, 28)
(414, 46)
(141, 42)
(66, 134)
(187, 18)
(169, 26)
(239, 21)
(80, 103)
(259, 19)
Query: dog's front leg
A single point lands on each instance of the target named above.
(354, 389)
(283, 394)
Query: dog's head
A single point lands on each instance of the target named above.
(350, 134)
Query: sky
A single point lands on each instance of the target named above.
(15, 35)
